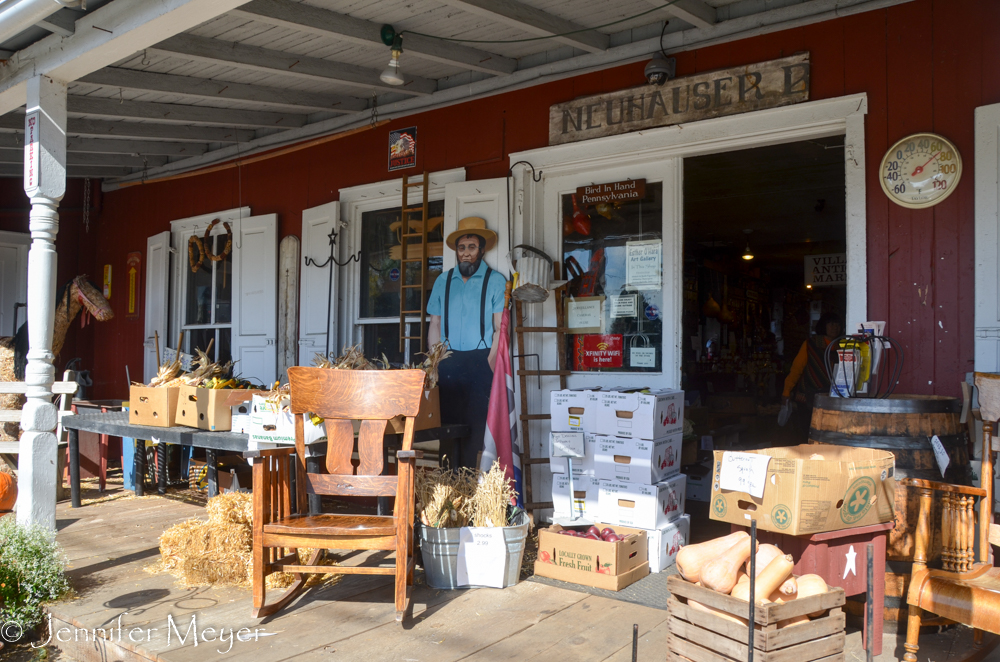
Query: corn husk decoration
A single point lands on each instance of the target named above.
(463, 497)
(494, 493)
(439, 352)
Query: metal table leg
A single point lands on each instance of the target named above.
(212, 471)
(74, 466)
(139, 464)
(161, 467)
(313, 466)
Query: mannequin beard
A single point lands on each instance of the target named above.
(467, 269)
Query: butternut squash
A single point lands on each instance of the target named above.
(767, 581)
(720, 574)
(692, 558)
(795, 620)
(789, 588)
(811, 585)
(718, 612)
(765, 553)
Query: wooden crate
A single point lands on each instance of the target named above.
(706, 637)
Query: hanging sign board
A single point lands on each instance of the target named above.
(825, 270)
(402, 148)
(642, 264)
(689, 99)
(626, 191)
(132, 264)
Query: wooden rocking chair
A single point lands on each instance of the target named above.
(340, 397)
(966, 590)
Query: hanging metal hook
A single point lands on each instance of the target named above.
(333, 243)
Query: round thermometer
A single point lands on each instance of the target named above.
(920, 170)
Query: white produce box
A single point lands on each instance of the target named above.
(642, 506)
(642, 461)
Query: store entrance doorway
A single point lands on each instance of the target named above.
(764, 266)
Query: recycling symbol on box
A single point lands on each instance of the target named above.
(719, 506)
(781, 516)
(858, 500)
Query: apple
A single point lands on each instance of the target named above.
(594, 530)
(606, 531)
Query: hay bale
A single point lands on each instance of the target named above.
(234, 507)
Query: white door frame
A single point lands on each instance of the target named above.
(640, 150)
(21, 241)
(354, 202)
(987, 235)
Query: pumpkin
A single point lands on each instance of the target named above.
(768, 580)
(8, 492)
(721, 573)
(692, 558)
(811, 585)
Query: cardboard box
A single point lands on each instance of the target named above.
(206, 408)
(585, 490)
(699, 483)
(849, 487)
(637, 460)
(155, 407)
(272, 424)
(239, 404)
(642, 506)
(610, 565)
(574, 410)
(584, 467)
(640, 415)
(664, 543)
(428, 417)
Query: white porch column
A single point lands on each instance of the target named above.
(45, 184)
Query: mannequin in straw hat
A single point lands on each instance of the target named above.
(465, 306)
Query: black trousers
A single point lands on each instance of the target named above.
(465, 380)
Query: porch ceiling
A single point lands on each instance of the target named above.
(273, 72)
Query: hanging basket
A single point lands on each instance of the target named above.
(534, 273)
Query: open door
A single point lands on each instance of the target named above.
(255, 300)
(157, 287)
(987, 341)
(318, 292)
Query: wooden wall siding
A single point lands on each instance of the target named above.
(924, 65)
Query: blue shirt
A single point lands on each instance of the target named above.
(464, 313)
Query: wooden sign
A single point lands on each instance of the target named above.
(689, 99)
(626, 191)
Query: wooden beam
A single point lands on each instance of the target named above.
(87, 159)
(535, 21)
(120, 146)
(696, 12)
(170, 112)
(307, 18)
(216, 89)
(85, 127)
(243, 56)
(97, 172)
(62, 23)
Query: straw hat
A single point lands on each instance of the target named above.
(473, 225)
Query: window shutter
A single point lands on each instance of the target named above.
(255, 300)
(316, 293)
(157, 287)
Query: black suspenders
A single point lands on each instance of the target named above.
(482, 306)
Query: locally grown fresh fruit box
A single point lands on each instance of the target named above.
(611, 562)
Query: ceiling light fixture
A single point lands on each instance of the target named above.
(748, 254)
(391, 75)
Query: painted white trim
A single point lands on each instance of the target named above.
(21, 241)
(355, 201)
(987, 279)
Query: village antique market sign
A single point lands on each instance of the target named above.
(824, 270)
(689, 99)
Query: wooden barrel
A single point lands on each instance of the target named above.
(904, 426)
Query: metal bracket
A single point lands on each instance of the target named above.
(333, 243)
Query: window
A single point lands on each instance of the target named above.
(208, 304)
(613, 254)
(382, 278)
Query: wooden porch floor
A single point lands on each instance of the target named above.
(110, 544)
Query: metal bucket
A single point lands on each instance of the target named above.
(534, 273)
(439, 550)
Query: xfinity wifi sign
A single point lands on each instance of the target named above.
(826, 269)
(689, 99)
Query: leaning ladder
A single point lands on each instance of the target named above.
(406, 232)
(530, 504)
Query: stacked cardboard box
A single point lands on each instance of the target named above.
(632, 442)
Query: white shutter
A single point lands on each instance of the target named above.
(13, 280)
(157, 287)
(255, 300)
(987, 169)
(316, 284)
(487, 199)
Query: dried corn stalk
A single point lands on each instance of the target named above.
(439, 352)
(444, 497)
(494, 493)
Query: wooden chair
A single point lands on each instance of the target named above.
(967, 588)
(340, 397)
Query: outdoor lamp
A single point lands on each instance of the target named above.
(391, 75)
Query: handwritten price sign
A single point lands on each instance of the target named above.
(481, 555)
(744, 472)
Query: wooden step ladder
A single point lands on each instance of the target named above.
(523, 374)
(406, 216)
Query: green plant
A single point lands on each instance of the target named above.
(31, 572)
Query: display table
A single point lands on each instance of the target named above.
(841, 559)
(116, 424)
